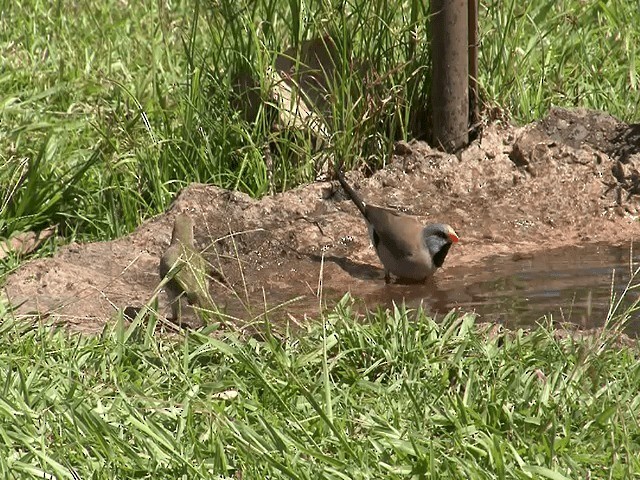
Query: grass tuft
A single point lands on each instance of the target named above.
(400, 395)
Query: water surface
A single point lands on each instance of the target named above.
(570, 284)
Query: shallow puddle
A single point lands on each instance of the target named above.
(572, 284)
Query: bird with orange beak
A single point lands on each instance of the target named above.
(407, 248)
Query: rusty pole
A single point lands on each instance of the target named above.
(450, 80)
(474, 100)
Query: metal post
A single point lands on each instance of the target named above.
(474, 100)
(450, 81)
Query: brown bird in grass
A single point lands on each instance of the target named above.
(407, 248)
(186, 269)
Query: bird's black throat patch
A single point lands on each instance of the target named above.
(438, 258)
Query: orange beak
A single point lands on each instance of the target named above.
(453, 236)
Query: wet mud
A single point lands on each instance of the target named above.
(525, 201)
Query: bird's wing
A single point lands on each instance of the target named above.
(192, 269)
(186, 266)
(168, 259)
(400, 234)
(193, 278)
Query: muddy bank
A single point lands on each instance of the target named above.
(569, 180)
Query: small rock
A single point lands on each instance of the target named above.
(388, 181)
(402, 148)
(518, 157)
(518, 256)
(617, 170)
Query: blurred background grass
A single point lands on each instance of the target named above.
(110, 108)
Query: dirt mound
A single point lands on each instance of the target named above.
(568, 179)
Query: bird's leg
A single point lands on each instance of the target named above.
(175, 300)
(176, 309)
(387, 277)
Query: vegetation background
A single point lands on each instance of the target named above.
(107, 109)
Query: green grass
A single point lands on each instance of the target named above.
(119, 105)
(569, 53)
(396, 396)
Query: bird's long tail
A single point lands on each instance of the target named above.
(353, 195)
